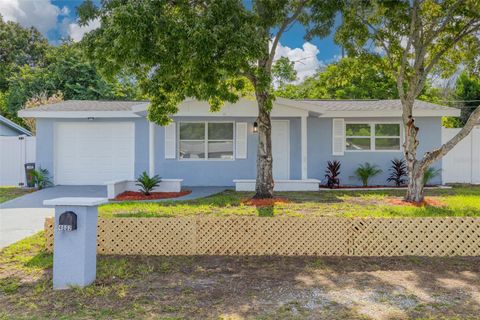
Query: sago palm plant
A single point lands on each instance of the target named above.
(147, 183)
(366, 171)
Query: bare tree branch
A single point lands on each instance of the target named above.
(434, 155)
(281, 30)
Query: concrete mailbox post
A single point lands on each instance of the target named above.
(75, 241)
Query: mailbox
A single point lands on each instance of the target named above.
(67, 221)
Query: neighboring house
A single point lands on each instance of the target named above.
(17, 147)
(93, 142)
(10, 128)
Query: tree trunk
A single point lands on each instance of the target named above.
(415, 186)
(417, 168)
(415, 174)
(264, 182)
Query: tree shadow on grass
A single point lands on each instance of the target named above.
(265, 211)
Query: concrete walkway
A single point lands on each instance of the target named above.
(24, 216)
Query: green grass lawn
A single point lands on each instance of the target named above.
(458, 201)
(8, 193)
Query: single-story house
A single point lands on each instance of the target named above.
(93, 142)
(9, 128)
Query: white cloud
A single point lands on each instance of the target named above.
(45, 16)
(77, 32)
(41, 14)
(305, 59)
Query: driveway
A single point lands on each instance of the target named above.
(25, 215)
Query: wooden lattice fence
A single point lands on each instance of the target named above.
(289, 236)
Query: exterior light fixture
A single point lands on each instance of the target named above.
(90, 118)
(255, 127)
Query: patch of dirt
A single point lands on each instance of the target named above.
(218, 287)
(264, 202)
(426, 202)
(133, 195)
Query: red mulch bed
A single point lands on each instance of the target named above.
(264, 202)
(426, 202)
(134, 195)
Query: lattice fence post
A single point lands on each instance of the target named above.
(48, 234)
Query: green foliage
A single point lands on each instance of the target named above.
(41, 178)
(366, 171)
(207, 50)
(8, 193)
(147, 183)
(69, 73)
(461, 201)
(380, 24)
(451, 122)
(467, 88)
(30, 67)
(283, 71)
(430, 174)
(19, 47)
(365, 77)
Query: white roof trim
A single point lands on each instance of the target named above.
(15, 126)
(243, 108)
(389, 113)
(77, 114)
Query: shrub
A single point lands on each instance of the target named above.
(366, 171)
(398, 172)
(429, 174)
(332, 173)
(147, 183)
(41, 178)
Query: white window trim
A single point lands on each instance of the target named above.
(206, 140)
(372, 135)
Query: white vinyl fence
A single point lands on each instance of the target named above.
(462, 163)
(14, 153)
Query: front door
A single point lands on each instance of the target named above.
(281, 149)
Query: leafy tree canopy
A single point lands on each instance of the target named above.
(467, 91)
(18, 47)
(208, 50)
(364, 77)
(66, 72)
(349, 78)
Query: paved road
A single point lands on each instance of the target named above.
(25, 215)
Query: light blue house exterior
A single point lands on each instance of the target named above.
(93, 142)
(9, 128)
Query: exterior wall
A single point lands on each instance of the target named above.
(222, 172)
(7, 131)
(45, 134)
(320, 150)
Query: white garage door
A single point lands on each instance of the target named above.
(94, 153)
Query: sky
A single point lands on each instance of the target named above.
(56, 19)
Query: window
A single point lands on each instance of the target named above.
(206, 140)
(372, 136)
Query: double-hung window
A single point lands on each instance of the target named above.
(206, 140)
(372, 137)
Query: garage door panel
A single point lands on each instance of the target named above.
(94, 153)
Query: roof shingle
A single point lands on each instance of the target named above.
(89, 105)
(371, 105)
